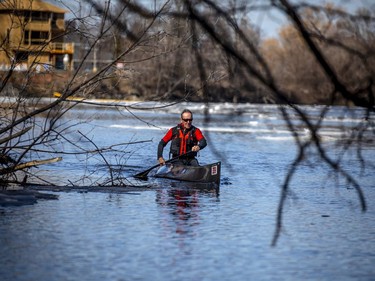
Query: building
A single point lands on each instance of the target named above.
(32, 36)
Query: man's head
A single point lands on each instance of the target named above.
(186, 118)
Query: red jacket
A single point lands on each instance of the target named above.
(182, 140)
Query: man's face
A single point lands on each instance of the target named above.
(186, 120)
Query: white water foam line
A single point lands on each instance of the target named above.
(209, 129)
(266, 134)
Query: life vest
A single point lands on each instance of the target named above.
(183, 143)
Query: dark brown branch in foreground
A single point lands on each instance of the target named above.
(16, 135)
(102, 156)
(29, 164)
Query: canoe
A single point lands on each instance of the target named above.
(204, 174)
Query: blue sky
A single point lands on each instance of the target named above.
(269, 21)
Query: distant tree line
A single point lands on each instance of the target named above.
(177, 59)
(347, 43)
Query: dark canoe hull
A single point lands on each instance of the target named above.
(203, 174)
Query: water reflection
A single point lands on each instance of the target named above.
(182, 206)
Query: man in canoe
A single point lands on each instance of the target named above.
(186, 139)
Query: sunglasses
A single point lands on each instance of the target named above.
(187, 120)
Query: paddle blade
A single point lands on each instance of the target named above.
(141, 176)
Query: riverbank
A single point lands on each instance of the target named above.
(20, 197)
(44, 85)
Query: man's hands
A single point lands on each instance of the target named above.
(161, 161)
(195, 148)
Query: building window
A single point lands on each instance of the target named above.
(27, 16)
(21, 57)
(40, 16)
(55, 18)
(39, 37)
(26, 37)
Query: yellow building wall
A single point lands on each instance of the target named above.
(12, 30)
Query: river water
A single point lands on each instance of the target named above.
(178, 232)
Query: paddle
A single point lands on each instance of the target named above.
(143, 175)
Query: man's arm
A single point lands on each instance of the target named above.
(161, 146)
(202, 143)
(163, 142)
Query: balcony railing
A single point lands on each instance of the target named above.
(62, 48)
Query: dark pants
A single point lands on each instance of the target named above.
(186, 161)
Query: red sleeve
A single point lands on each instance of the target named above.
(198, 134)
(168, 136)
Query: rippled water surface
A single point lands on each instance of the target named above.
(181, 233)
